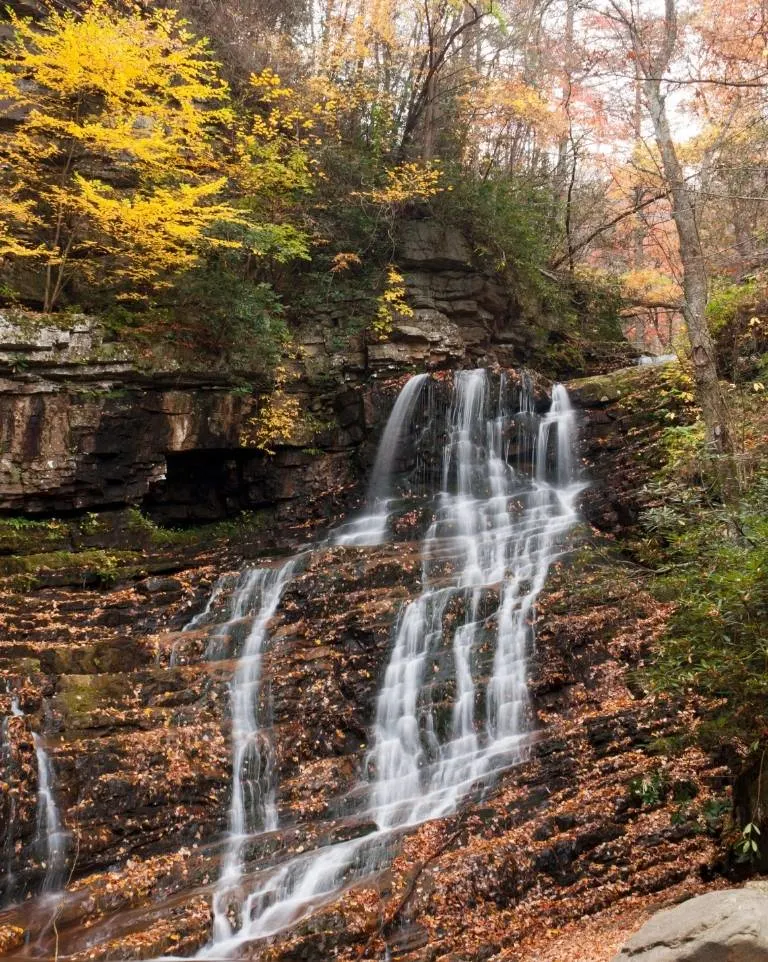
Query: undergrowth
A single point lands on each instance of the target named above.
(711, 558)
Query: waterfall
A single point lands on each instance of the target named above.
(248, 595)
(51, 839)
(6, 762)
(371, 528)
(653, 359)
(253, 806)
(452, 710)
(490, 547)
(394, 431)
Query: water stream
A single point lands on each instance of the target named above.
(9, 881)
(371, 527)
(453, 709)
(252, 807)
(51, 840)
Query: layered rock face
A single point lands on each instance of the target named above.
(463, 313)
(140, 750)
(87, 423)
(554, 862)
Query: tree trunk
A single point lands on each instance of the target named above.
(560, 206)
(717, 418)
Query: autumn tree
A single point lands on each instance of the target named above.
(653, 47)
(112, 164)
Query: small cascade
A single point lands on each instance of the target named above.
(245, 599)
(8, 885)
(253, 806)
(52, 840)
(371, 528)
(654, 359)
(452, 710)
(201, 617)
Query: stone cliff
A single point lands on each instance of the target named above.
(138, 719)
(87, 422)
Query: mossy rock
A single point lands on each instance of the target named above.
(608, 388)
(22, 666)
(104, 657)
(97, 567)
(26, 536)
(79, 695)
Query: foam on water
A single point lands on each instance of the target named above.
(452, 711)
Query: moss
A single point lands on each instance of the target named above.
(711, 559)
(107, 546)
(24, 535)
(21, 666)
(79, 695)
(726, 301)
(627, 383)
(104, 567)
(154, 536)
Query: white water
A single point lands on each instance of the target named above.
(437, 735)
(51, 839)
(253, 806)
(490, 547)
(653, 359)
(8, 886)
(371, 527)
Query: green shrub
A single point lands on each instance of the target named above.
(727, 300)
(507, 220)
(716, 642)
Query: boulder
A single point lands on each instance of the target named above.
(723, 926)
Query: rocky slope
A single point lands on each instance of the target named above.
(602, 823)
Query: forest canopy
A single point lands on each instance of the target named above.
(156, 158)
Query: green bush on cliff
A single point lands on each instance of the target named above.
(716, 642)
(713, 562)
(727, 300)
(507, 221)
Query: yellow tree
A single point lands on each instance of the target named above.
(112, 164)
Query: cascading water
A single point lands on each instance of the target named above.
(371, 528)
(252, 807)
(8, 886)
(52, 840)
(486, 555)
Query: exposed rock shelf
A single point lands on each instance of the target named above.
(568, 848)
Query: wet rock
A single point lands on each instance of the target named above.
(622, 415)
(724, 926)
(153, 586)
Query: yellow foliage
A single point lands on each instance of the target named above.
(117, 81)
(271, 151)
(391, 303)
(497, 102)
(408, 182)
(277, 420)
(162, 230)
(343, 261)
(129, 95)
(13, 211)
(651, 285)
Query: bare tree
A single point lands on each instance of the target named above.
(447, 32)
